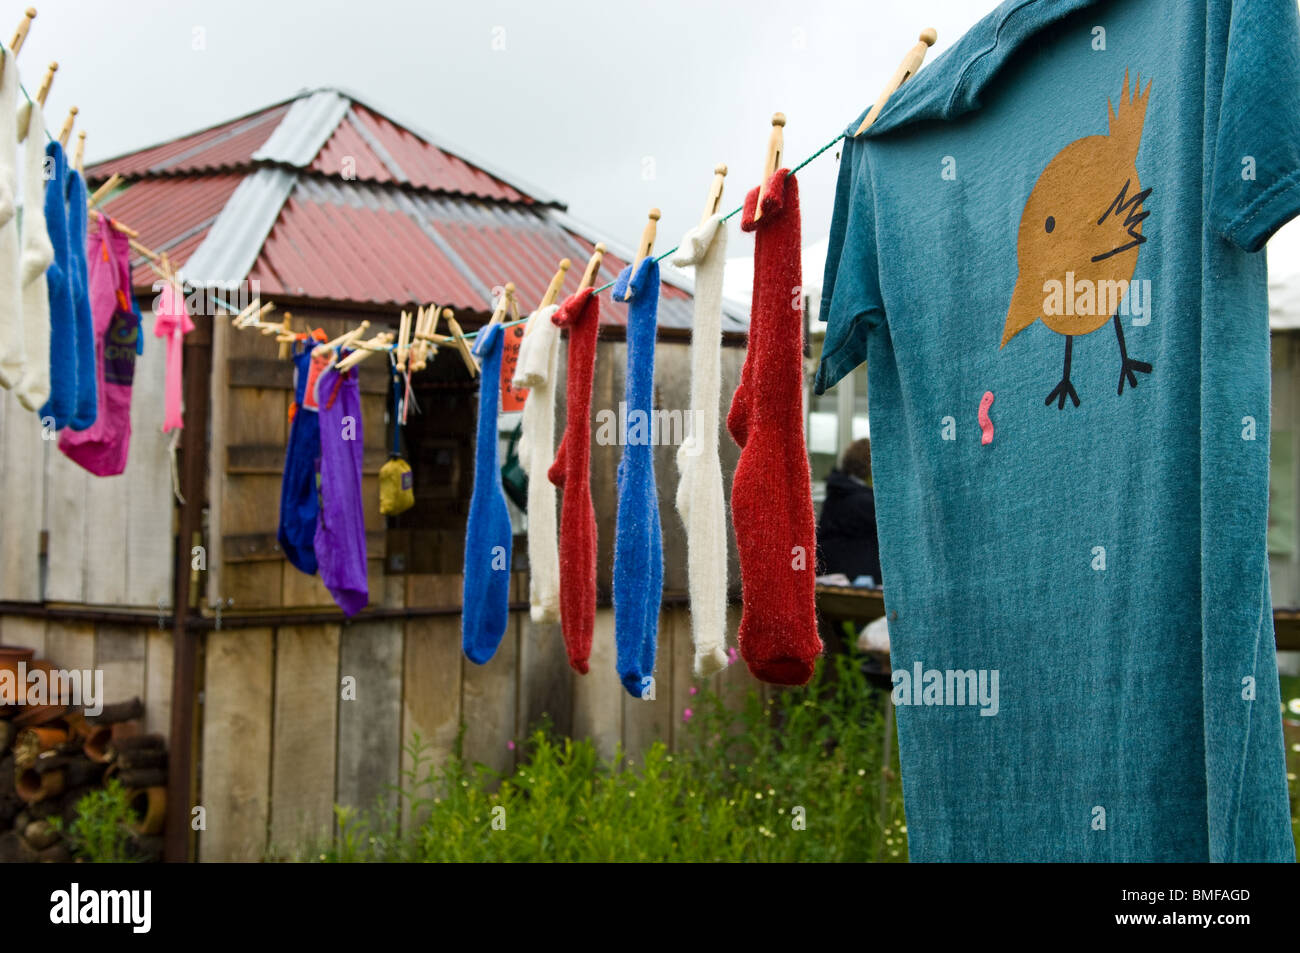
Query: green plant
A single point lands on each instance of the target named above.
(101, 831)
(796, 777)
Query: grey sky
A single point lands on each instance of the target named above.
(586, 99)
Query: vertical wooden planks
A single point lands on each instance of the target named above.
(305, 729)
(219, 403)
(22, 469)
(236, 782)
(545, 678)
(66, 524)
(25, 631)
(597, 696)
(370, 726)
(120, 655)
(648, 720)
(148, 477)
(158, 680)
(488, 698)
(431, 678)
(70, 644)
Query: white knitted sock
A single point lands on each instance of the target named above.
(699, 493)
(535, 370)
(11, 328)
(37, 253)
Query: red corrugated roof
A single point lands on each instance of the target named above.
(171, 215)
(228, 146)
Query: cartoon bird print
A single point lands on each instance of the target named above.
(1083, 220)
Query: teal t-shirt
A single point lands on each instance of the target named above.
(1046, 250)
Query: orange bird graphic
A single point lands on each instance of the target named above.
(1082, 228)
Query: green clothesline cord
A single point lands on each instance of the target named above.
(735, 211)
(23, 90)
(658, 258)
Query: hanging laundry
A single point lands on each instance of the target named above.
(11, 324)
(535, 372)
(299, 502)
(488, 538)
(102, 448)
(36, 259)
(571, 472)
(340, 540)
(771, 492)
(700, 498)
(171, 321)
(62, 352)
(86, 403)
(1104, 558)
(638, 536)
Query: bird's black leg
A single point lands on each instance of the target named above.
(1127, 364)
(1065, 388)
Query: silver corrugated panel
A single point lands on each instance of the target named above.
(305, 129)
(231, 247)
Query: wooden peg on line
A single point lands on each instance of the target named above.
(593, 267)
(320, 350)
(715, 192)
(503, 303)
(80, 152)
(99, 194)
(286, 336)
(906, 69)
(363, 350)
(252, 316)
(462, 346)
(25, 113)
(643, 250)
(557, 282)
(404, 342)
(66, 131)
(775, 149)
(20, 35)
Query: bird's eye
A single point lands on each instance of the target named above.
(1049, 224)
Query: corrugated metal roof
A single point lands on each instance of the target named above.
(227, 146)
(307, 126)
(236, 237)
(171, 215)
(379, 215)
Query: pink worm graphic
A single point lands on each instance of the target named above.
(986, 425)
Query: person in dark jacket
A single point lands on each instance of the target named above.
(846, 532)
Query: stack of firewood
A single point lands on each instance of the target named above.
(53, 756)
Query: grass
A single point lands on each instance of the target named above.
(797, 778)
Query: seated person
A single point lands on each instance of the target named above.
(846, 531)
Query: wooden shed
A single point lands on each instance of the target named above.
(276, 706)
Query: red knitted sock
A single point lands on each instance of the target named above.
(771, 496)
(571, 472)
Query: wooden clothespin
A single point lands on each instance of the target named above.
(503, 304)
(404, 343)
(25, 114)
(715, 192)
(20, 35)
(775, 149)
(643, 250)
(363, 350)
(906, 69)
(286, 336)
(98, 195)
(462, 346)
(251, 317)
(426, 321)
(66, 131)
(557, 282)
(80, 153)
(321, 350)
(593, 267)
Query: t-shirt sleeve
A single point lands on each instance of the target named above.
(1256, 178)
(850, 302)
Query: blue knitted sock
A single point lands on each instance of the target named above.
(487, 533)
(86, 407)
(638, 543)
(63, 354)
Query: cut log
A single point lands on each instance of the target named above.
(99, 744)
(34, 787)
(143, 758)
(119, 711)
(55, 854)
(40, 834)
(142, 777)
(140, 741)
(7, 733)
(150, 806)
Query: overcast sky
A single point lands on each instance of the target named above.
(612, 107)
